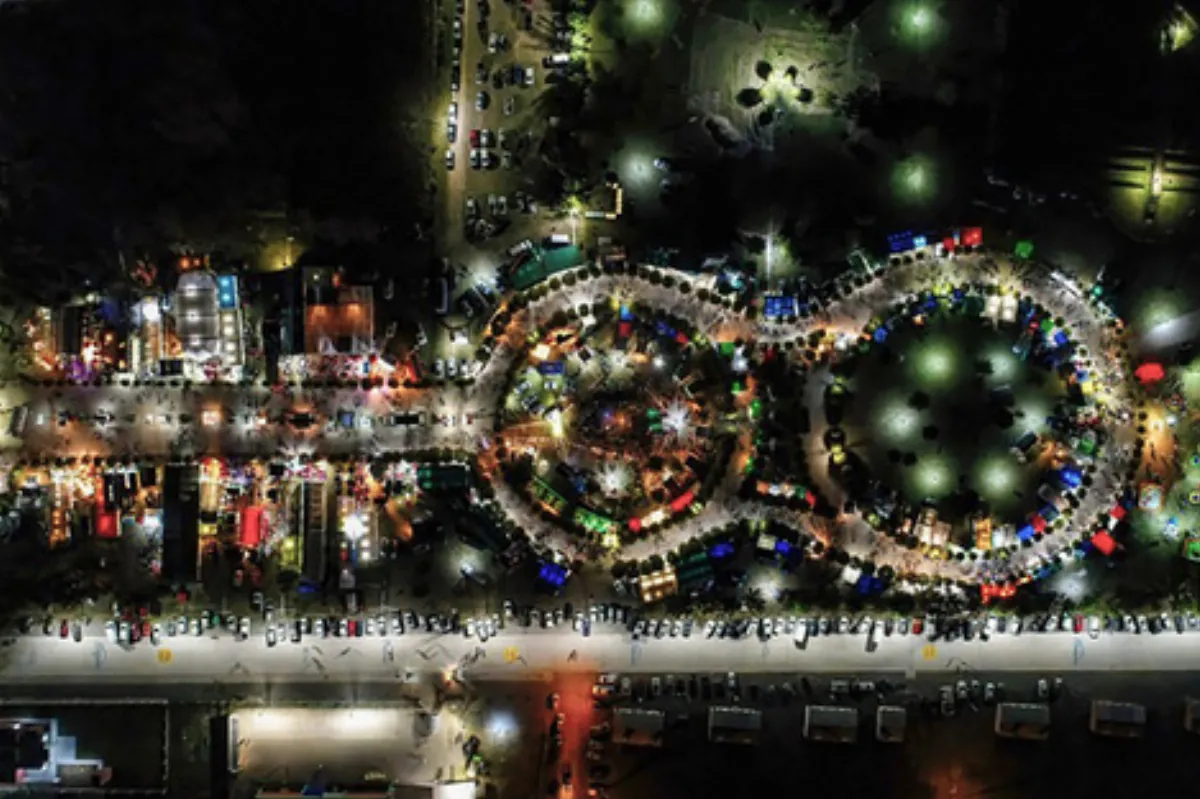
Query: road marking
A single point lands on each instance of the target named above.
(164, 656)
(511, 654)
(929, 652)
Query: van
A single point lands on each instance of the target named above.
(517, 249)
(1023, 444)
(443, 306)
(18, 421)
(801, 634)
(559, 239)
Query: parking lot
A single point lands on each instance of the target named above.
(495, 75)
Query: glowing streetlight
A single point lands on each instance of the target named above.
(900, 422)
(913, 179)
(920, 19)
(645, 14)
(933, 477)
(997, 476)
(936, 364)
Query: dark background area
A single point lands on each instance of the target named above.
(129, 127)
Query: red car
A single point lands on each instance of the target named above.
(64, 629)
(475, 137)
(917, 626)
(353, 629)
(1078, 624)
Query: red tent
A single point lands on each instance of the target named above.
(1104, 542)
(972, 237)
(681, 502)
(106, 524)
(251, 526)
(1150, 372)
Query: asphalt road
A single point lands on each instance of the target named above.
(525, 654)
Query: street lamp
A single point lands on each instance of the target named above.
(913, 179)
(645, 14)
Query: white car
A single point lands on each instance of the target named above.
(319, 628)
(270, 636)
(655, 686)
(196, 628)
(1093, 626)
(244, 627)
(110, 631)
(1043, 689)
(710, 627)
(469, 629)
(452, 116)
(947, 700)
(343, 628)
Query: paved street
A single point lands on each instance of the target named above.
(521, 654)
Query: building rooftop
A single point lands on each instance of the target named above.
(734, 725)
(891, 723)
(638, 727)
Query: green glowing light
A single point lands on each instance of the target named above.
(913, 179)
(935, 365)
(933, 477)
(997, 477)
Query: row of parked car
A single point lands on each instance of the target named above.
(945, 628)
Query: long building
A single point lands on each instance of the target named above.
(633, 726)
(891, 724)
(1117, 719)
(1029, 721)
(738, 725)
(831, 723)
(314, 530)
(181, 522)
